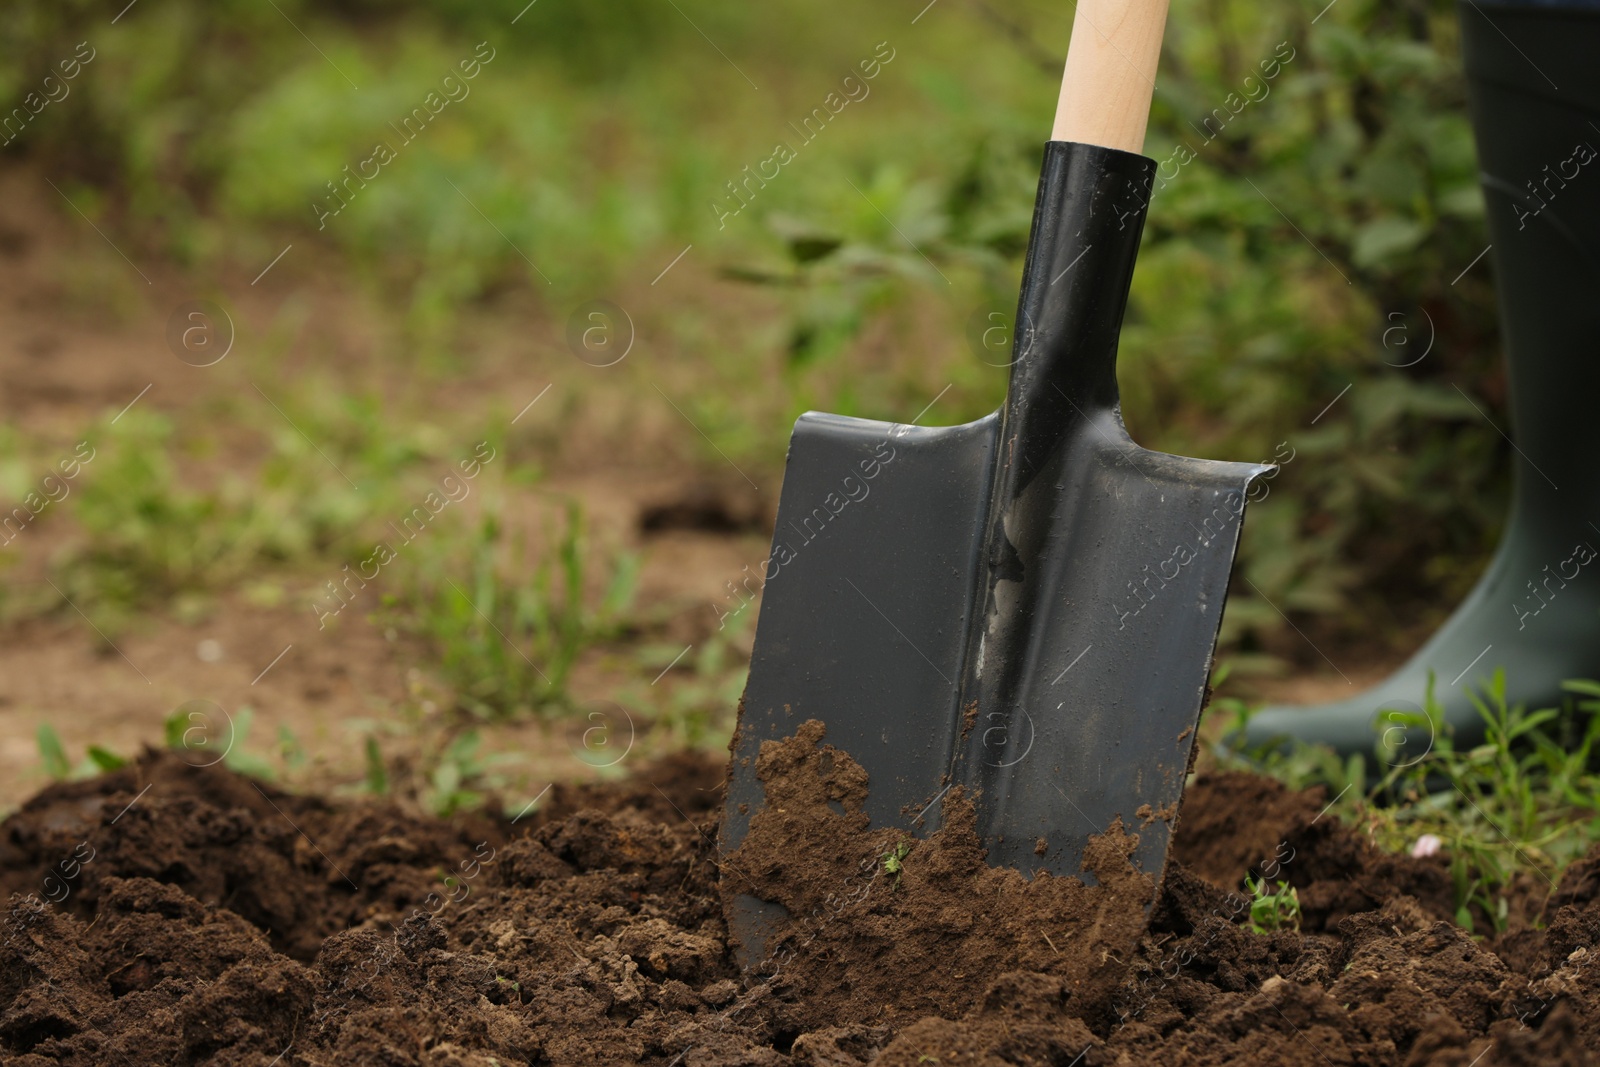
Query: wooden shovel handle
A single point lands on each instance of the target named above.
(1111, 73)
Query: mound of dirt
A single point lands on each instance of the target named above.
(887, 947)
(169, 914)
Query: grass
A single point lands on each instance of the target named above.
(1274, 906)
(208, 734)
(152, 537)
(460, 775)
(455, 776)
(168, 516)
(203, 731)
(507, 625)
(1525, 802)
(500, 613)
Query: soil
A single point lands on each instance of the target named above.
(167, 913)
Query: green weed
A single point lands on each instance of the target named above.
(1274, 906)
(694, 700)
(152, 536)
(460, 778)
(377, 774)
(96, 760)
(200, 733)
(161, 528)
(51, 752)
(507, 629)
(1525, 800)
(894, 860)
(291, 753)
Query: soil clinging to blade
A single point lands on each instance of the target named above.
(888, 928)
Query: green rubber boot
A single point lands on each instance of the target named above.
(1536, 611)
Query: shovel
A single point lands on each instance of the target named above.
(1025, 605)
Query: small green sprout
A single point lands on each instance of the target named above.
(1273, 906)
(894, 860)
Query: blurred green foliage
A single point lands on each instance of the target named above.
(712, 674)
(1316, 200)
(1311, 243)
(152, 536)
(53, 756)
(508, 634)
(192, 729)
(169, 516)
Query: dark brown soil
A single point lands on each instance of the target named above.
(880, 947)
(217, 921)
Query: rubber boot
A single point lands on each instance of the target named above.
(1534, 86)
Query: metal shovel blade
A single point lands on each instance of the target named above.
(1036, 562)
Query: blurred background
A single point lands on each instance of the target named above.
(282, 268)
